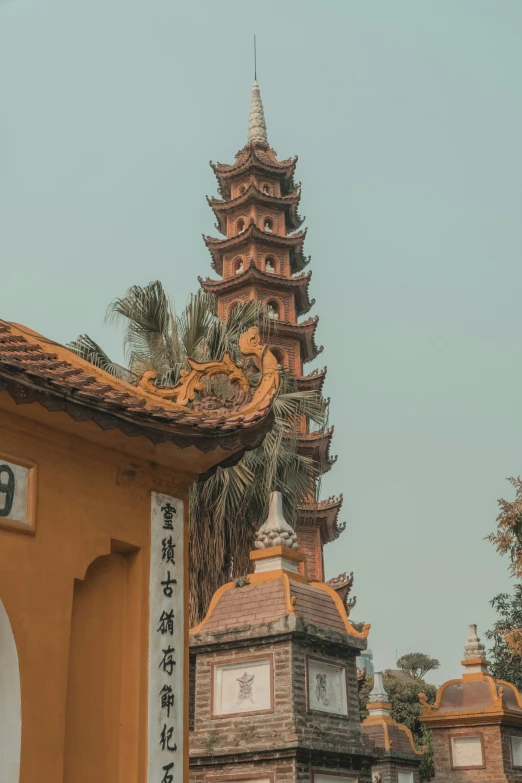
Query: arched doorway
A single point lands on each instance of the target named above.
(10, 703)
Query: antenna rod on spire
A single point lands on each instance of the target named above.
(255, 60)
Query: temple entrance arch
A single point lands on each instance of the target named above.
(10, 703)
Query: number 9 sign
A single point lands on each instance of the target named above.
(7, 490)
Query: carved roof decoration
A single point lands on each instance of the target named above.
(33, 368)
(293, 242)
(261, 159)
(252, 275)
(316, 446)
(305, 333)
(324, 515)
(312, 382)
(342, 585)
(253, 194)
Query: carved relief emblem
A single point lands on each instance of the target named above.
(246, 684)
(321, 689)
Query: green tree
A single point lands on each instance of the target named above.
(506, 633)
(506, 664)
(406, 709)
(417, 665)
(226, 509)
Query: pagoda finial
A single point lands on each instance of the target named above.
(256, 118)
(475, 653)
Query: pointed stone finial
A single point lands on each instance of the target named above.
(379, 692)
(474, 653)
(276, 531)
(379, 703)
(474, 648)
(256, 118)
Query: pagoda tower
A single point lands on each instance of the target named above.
(260, 256)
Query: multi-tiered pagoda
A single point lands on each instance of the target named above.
(260, 256)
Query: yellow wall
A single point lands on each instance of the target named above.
(81, 629)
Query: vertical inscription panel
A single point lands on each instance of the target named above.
(166, 642)
(17, 493)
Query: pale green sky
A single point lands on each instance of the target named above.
(407, 120)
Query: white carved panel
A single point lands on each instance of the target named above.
(321, 777)
(16, 493)
(166, 734)
(327, 687)
(516, 748)
(405, 777)
(467, 752)
(242, 687)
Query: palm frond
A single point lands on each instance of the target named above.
(150, 337)
(85, 347)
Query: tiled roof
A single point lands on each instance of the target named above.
(33, 368)
(267, 599)
(389, 735)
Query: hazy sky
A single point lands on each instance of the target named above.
(407, 120)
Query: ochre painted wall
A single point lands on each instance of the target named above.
(81, 630)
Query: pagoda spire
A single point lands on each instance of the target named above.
(256, 118)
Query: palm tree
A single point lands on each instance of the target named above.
(226, 509)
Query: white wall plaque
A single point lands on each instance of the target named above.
(467, 751)
(166, 735)
(17, 493)
(405, 777)
(327, 687)
(321, 777)
(516, 749)
(242, 686)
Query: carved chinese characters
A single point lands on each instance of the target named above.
(327, 687)
(166, 641)
(17, 494)
(242, 686)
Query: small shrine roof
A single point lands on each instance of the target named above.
(255, 157)
(293, 242)
(253, 194)
(389, 735)
(316, 445)
(312, 382)
(324, 515)
(298, 286)
(271, 596)
(476, 697)
(36, 369)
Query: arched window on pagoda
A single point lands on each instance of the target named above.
(240, 226)
(232, 307)
(273, 309)
(268, 225)
(270, 265)
(280, 356)
(241, 190)
(238, 265)
(266, 189)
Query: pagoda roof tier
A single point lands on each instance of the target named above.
(304, 332)
(298, 286)
(260, 158)
(253, 194)
(294, 243)
(316, 445)
(325, 516)
(312, 382)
